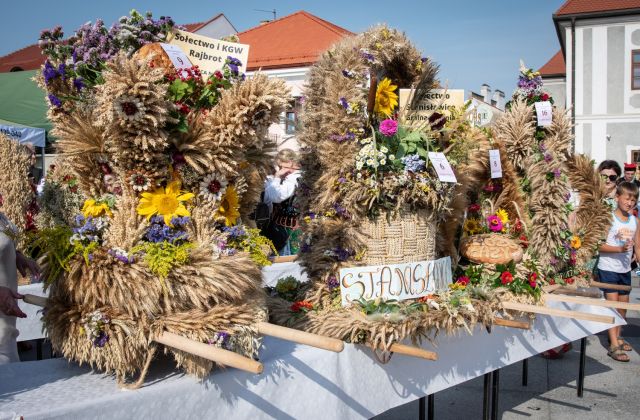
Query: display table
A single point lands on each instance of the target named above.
(298, 381)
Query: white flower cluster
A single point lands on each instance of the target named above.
(94, 323)
(213, 187)
(371, 157)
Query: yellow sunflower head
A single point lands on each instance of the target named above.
(576, 243)
(386, 98)
(95, 209)
(503, 216)
(229, 207)
(472, 226)
(168, 202)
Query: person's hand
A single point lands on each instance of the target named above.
(628, 246)
(283, 172)
(8, 304)
(24, 263)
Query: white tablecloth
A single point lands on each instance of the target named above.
(298, 381)
(30, 328)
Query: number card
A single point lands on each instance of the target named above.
(442, 167)
(544, 114)
(177, 56)
(496, 165)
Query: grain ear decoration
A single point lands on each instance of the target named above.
(15, 188)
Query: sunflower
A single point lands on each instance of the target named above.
(386, 98)
(472, 226)
(229, 207)
(95, 208)
(503, 215)
(167, 202)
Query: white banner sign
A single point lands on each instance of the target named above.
(395, 281)
(208, 53)
(177, 56)
(437, 100)
(544, 114)
(31, 135)
(496, 165)
(442, 167)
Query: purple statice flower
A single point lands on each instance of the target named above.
(389, 127)
(121, 256)
(160, 232)
(342, 180)
(62, 70)
(220, 339)
(553, 261)
(49, 72)
(413, 163)
(234, 65)
(101, 339)
(235, 232)
(556, 173)
(542, 147)
(305, 247)
(370, 58)
(424, 59)
(341, 210)
(78, 83)
(343, 102)
(547, 157)
(348, 73)
(342, 137)
(340, 254)
(332, 282)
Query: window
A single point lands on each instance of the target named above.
(635, 69)
(291, 116)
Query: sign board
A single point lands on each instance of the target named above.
(481, 115)
(437, 100)
(208, 53)
(35, 136)
(177, 56)
(442, 167)
(544, 113)
(395, 281)
(496, 164)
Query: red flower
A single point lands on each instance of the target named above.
(217, 74)
(517, 226)
(570, 280)
(532, 280)
(524, 241)
(463, 280)
(552, 281)
(506, 277)
(544, 97)
(474, 208)
(301, 306)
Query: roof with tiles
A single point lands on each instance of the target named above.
(576, 7)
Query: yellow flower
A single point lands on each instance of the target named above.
(386, 98)
(503, 216)
(94, 209)
(229, 207)
(167, 202)
(472, 226)
(576, 243)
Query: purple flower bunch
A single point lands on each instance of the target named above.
(160, 232)
(339, 253)
(101, 339)
(221, 339)
(340, 138)
(234, 65)
(88, 229)
(332, 282)
(235, 232)
(121, 255)
(341, 210)
(413, 163)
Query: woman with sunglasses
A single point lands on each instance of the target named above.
(610, 171)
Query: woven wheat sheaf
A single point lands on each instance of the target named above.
(409, 236)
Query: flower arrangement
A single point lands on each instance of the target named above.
(158, 236)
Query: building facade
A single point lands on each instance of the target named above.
(597, 76)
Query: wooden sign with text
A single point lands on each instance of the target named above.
(208, 53)
(437, 100)
(395, 281)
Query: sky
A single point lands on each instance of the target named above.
(474, 42)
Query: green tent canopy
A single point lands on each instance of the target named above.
(22, 101)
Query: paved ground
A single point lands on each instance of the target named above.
(612, 389)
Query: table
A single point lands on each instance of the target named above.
(298, 381)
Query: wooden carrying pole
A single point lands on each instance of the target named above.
(286, 258)
(511, 323)
(543, 310)
(302, 337)
(413, 351)
(610, 286)
(594, 302)
(215, 354)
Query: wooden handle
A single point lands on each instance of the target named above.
(215, 354)
(523, 325)
(594, 302)
(286, 258)
(413, 351)
(610, 286)
(591, 292)
(35, 300)
(301, 337)
(371, 98)
(551, 287)
(558, 312)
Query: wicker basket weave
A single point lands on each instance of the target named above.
(409, 236)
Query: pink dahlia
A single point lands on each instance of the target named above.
(389, 127)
